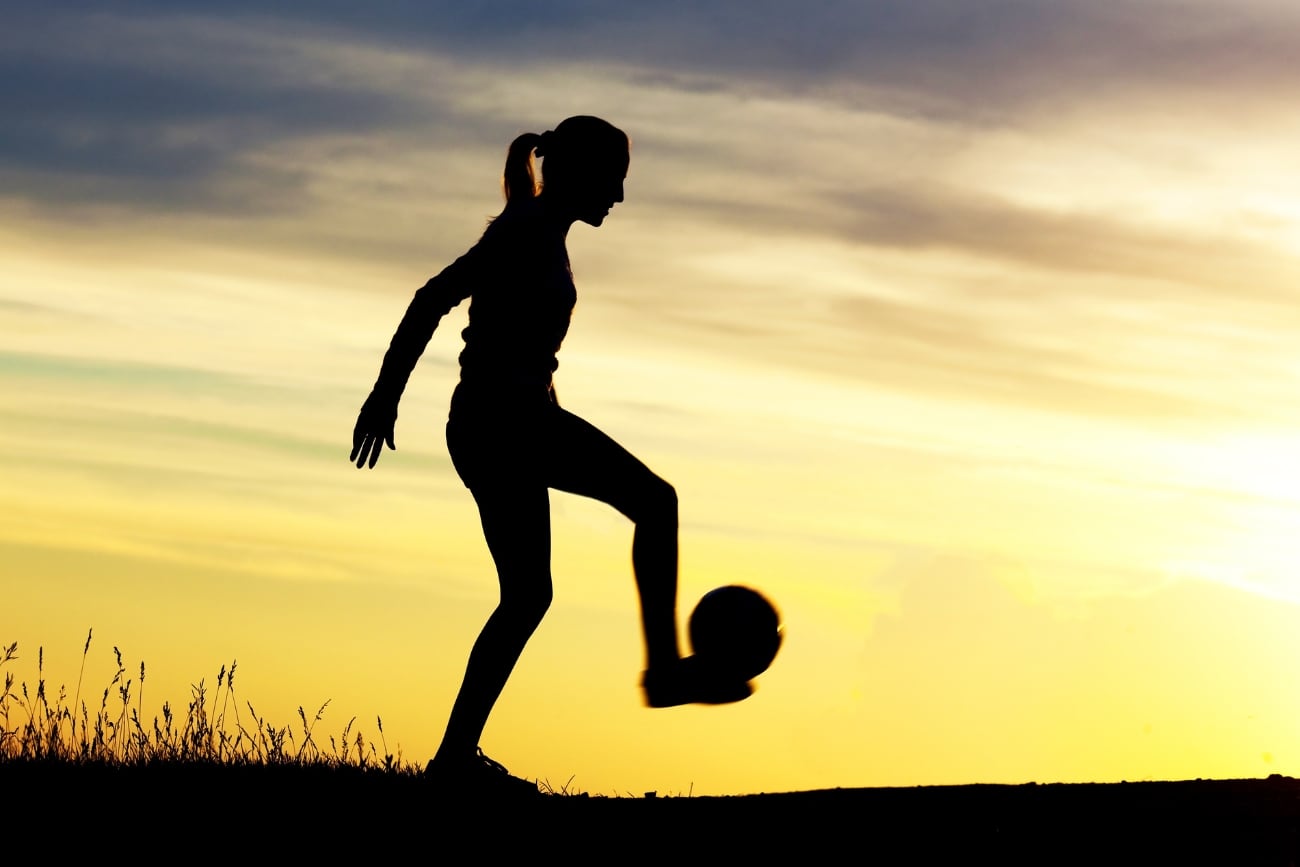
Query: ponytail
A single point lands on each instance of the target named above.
(569, 149)
(520, 179)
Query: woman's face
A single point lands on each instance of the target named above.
(596, 187)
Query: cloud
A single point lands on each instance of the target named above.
(174, 112)
(988, 60)
(174, 95)
(830, 176)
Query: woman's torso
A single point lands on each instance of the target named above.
(519, 314)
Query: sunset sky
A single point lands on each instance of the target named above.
(967, 332)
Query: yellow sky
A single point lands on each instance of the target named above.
(1000, 411)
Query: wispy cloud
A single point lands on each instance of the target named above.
(174, 95)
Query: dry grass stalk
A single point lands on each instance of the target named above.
(34, 729)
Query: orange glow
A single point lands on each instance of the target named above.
(1005, 425)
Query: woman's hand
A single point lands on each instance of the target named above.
(374, 427)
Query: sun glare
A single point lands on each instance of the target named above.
(1254, 484)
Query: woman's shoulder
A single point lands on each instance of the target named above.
(518, 226)
(516, 218)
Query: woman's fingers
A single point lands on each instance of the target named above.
(372, 431)
(365, 449)
(358, 440)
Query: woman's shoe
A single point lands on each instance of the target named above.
(691, 681)
(478, 775)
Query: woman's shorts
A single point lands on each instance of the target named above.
(502, 435)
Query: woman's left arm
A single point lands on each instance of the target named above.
(432, 301)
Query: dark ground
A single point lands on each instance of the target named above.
(205, 814)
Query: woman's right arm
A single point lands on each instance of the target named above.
(432, 301)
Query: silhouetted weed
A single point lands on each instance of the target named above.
(34, 728)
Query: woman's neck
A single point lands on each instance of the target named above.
(555, 215)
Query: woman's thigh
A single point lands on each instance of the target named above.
(516, 521)
(507, 449)
(584, 460)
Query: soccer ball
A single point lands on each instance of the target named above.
(736, 630)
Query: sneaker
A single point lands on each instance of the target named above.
(690, 681)
(479, 776)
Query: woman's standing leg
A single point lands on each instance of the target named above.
(517, 527)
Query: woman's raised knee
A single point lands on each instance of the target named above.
(656, 503)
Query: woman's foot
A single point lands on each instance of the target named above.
(477, 775)
(691, 681)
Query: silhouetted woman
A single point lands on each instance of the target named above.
(510, 441)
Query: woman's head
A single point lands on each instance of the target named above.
(584, 163)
